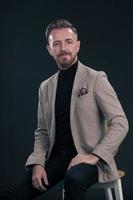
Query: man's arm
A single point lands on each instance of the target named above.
(114, 115)
(36, 160)
(41, 142)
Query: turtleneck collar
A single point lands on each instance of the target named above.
(68, 72)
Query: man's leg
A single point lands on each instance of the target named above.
(24, 189)
(78, 179)
(21, 190)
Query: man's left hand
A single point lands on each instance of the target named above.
(81, 158)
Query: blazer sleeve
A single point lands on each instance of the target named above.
(41, 141)
(114, 115)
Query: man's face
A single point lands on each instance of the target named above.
(63, 47)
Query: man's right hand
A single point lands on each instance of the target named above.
(39, 177)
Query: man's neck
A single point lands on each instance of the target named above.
(68, 65)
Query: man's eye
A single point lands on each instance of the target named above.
(69, 42)
(56, 44)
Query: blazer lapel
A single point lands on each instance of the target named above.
(79, 82)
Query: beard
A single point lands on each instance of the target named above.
(65, 59)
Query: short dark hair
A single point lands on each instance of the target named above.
(57, 24)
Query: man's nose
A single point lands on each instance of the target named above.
(63, 46)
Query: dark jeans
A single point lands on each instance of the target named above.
(76, 181)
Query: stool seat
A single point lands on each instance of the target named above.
(116, 185)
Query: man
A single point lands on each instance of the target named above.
(70, 141)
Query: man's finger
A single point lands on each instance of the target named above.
(34, 183)
(45, 179)
(37, 183)
(70, 165)
(41, 188)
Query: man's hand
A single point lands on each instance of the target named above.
(39, 177)
(81, 158)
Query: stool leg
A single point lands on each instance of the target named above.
(108, 193)
(63, 194)
(118, 190)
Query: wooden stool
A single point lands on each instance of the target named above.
(116, 185)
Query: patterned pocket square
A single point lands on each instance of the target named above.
(82, 91)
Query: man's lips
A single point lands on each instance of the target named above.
(64, 54)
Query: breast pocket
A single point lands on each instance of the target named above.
(86, 103)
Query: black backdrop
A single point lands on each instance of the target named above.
(105, 30)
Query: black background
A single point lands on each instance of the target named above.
(105, 29)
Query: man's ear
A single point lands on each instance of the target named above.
(49, 49)
(78, 46)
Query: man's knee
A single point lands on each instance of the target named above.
(73, 176)
(81, 174)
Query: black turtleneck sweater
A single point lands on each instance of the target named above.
(64, 145)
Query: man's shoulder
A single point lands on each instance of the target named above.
(48, 80)
(91, 71)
